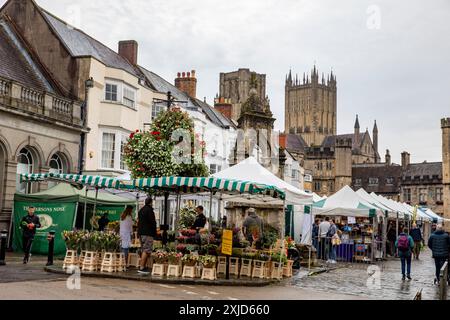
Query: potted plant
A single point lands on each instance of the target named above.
(208, 261)
(174, 258)
(190, 259)
(160, 257)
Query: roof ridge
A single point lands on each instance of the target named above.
(45, 12)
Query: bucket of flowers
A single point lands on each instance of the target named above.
(160, 257)
(175, 258)
(208, 261)
(72, 240)
(190, 260)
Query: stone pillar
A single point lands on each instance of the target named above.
(10, 190)
(445, 124)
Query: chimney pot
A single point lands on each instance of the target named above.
(184, 74)
(179, 74)
(193, 73)
(188, 74)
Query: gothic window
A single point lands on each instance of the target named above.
(57, 165)
(357, 182)
(373, 181)
(423, 195)
(407, 195)
(439, 195)
(390, 181)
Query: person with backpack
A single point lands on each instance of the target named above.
(439, 243)
(405, 245)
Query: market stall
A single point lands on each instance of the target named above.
(356, 219)
(58, 209)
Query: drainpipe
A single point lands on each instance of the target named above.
(88, 84)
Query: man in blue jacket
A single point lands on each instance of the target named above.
(439, 243)
(405, 245)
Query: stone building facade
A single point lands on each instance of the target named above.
(40, 124)
(236, 87)
(445, 124)
(413, 183)
(311, 107)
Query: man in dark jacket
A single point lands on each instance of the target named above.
(392, 237)
(439, 243)
(29, 225)
(199, 224)
(146, 233)
(416, 234)
(252, 228)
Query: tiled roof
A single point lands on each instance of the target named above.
(425, 169)
(16, 63)
(295, 143)
(161, 85)
(80, 44)
(330, 141)
(380, 171)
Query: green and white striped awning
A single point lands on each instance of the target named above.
(199, 184)
(93, 181)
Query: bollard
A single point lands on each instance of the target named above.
(51, 247)
(4, 238)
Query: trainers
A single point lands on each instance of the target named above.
(144, 271)
(403, 278)
(333, 261)
(409, 277)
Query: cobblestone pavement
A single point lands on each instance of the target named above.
(353, 279)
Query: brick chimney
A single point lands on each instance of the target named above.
(129, 50)
(406, 160)
(223, 106)
(187, 82)
(282, 140)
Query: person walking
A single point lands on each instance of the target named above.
(392, 237)
(29, 224)
(416, 234)
(252, 228)
(405, 245)
(439, 243)
(324, 227)
(126, 230)
(146, 233)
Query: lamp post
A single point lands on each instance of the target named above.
(88, 84)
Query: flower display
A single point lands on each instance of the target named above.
(190, 259)
(160, 256)
(208, 261)
(151, 153)
(175, 258)
(72, 239)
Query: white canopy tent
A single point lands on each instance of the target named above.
(434, 216)
(346, 202)
(251, 170)
(374, 201)
(395, 206)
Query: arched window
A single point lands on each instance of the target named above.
(25, 164)
(57, 165)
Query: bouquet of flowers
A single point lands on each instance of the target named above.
(72, 239)
(114, 226)
(289, 243)
(160, 256)
(208, 261)
(190, 259)
(175, 258)
(181, 248)
(110, 241)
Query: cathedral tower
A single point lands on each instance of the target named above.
(311, 106)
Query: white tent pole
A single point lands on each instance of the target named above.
(85, 208)
(95, 203)
(209, 214)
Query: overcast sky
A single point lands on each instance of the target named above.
(391, 58)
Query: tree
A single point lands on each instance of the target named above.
(169, 148)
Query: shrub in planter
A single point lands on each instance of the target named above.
(261, 256)
(182, 248)
(279, 257)
(237, 253)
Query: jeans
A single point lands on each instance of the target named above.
(439, 262)
(333, 253)
(125, 252)
(324, 245)
(27, 242)
(406, 262)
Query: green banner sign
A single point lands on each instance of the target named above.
(53, 217)
(113, 212)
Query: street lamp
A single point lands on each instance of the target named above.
(3, 239)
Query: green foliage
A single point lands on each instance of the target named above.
(151, 153)
(187, 217)
(270, 236)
